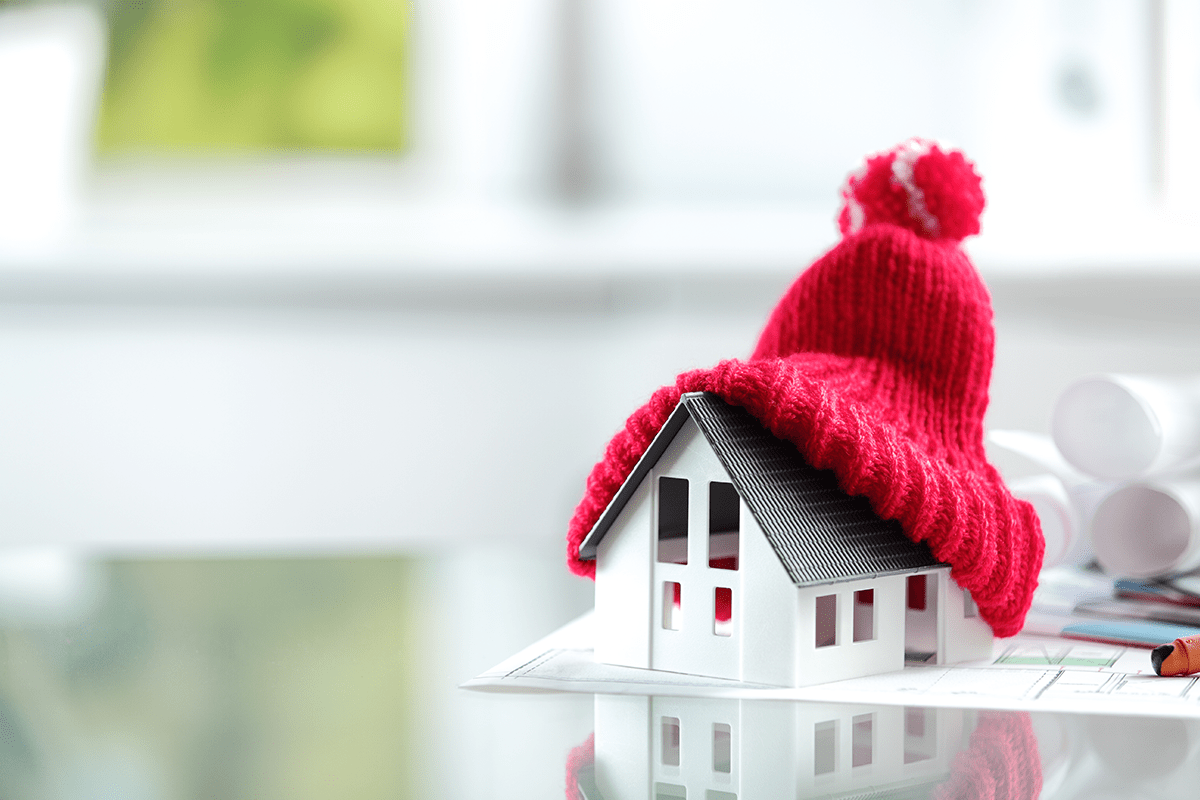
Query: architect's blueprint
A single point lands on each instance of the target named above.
(1025, 672)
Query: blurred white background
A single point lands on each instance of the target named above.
(322, 351)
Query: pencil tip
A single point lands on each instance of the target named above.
(1158, 654)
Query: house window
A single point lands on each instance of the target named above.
(672, 605)
(670, 741)
(724, 512)
(723, 612)
(669, 791)
(862, 742)
(864, 615)
(672, 520)
(826, 620)
(916, 592)
(920, 734)
(825, 747)
(713, 794)
(969, 608)
(722, 748)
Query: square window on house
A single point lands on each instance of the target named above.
(825, 747)
(864, 615)
(670, 741)
(672, 520)
(826, 620)
(724, 512)
(862, 740)
(672, 601)
(669, 791)
(723, 612)
(713, 794)
(916, 592)
(722, 748)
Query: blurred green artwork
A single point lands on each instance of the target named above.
(255, 678)
(255, 75)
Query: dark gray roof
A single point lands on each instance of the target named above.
(820, 533)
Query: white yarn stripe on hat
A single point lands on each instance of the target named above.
(907, 156)
(858, 216)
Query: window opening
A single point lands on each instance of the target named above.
(916, 592)
(723, 612)
(862, 744)
(713, 794)
(672, 605)
(722, 748)
(669, 791)
(670, 741)
(826, 620)
(724, 513)
(825, 747)
(672, 520)
(864, 615)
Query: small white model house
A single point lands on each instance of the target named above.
(725, 554)
(674, 748)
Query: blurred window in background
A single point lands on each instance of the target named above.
(255, 75)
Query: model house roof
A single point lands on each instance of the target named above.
(820, 533)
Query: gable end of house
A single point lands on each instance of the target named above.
(819, 533)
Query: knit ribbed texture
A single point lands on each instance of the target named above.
(876, 364)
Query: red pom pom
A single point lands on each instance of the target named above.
(933, 192)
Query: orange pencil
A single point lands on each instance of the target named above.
(1182, 657)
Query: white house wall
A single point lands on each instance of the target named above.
(623, 585)
(768, 611)
(966, 638)
(848, 658)
(944, 628)
(694, 643)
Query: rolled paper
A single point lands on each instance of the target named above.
(1120, 427)
(1060, 518)
(1149, 529)
(1181, 657)
(1040, 449)
(1064, 500)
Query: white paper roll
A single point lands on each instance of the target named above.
(1149, 529)
(1062, 516)
(1119, 427)
(1053, 507)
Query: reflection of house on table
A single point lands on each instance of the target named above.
(669, 748)
(725, 554)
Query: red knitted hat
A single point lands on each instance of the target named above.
(875, 364)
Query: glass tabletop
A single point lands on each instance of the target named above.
(339, 676)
